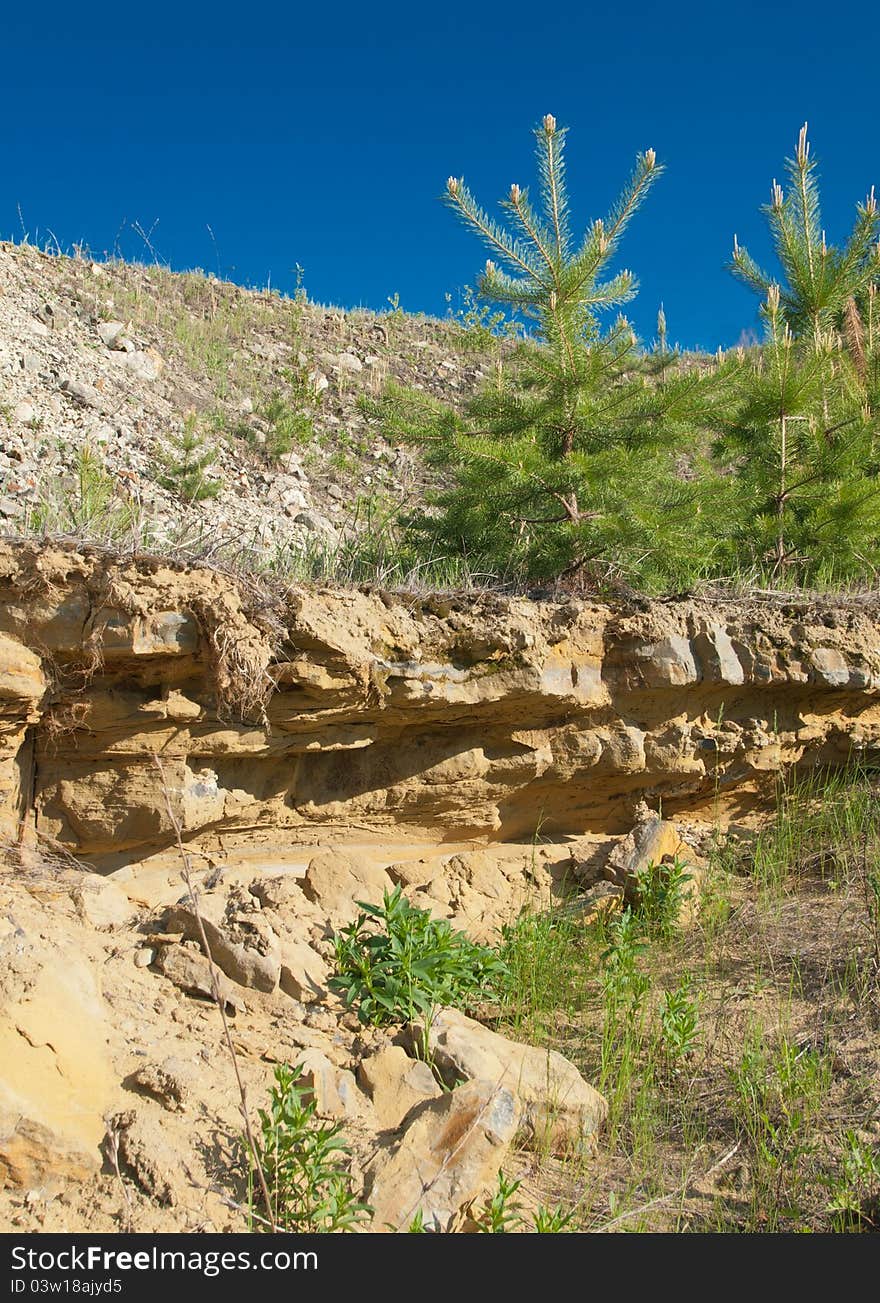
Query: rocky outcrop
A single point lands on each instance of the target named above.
(348, 713)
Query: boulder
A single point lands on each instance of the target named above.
(144, 1152)
(57, 1078)
(248, 965)
(448, 1157)
(480, 871)
(655, 841)
(560, 1111)
(21, 672)
(190, 971)
(396, 1084)
(413, 873)
(337, 882)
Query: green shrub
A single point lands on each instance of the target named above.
(679, 1021)
(660, 894)
(395, 962)
(302, 1159)
(288, 427)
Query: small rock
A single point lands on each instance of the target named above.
(25, 413)
(308, 520)
(598, 902)
(111, 333)
(348, 362)
(52, 317)
(167, 1082)
(147, 365)
(81, 393)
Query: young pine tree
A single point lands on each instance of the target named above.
(797, 421)
(555, 465)
(825, 292)
(186, 465)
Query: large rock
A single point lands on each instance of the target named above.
(101, 904)
(57, 1078)
(333, 1089)
(190, 972)
(449, 1156)
(396, 1084)
(655, 841)
(248, 965)
(21, 672)
(560, 1110)
(430, 723)
(144, 1152)
(337, 882)
(22, 684)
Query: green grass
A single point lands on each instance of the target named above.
(734, 1053)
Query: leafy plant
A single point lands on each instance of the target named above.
(395, 962)
(620, 972)
(481, 328)
(92, 505)
(503, 1214)
(288, 426)
(302, 1157)
(500, 1215)
(855, 1188)
(820, 282)
(779, 1090)
(797, 420)
(679, 1021)
(552, 1221)
(660, 896)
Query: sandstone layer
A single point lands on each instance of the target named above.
(339, 716)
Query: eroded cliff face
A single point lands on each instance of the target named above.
(342, 715)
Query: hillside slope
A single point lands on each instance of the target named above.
(119, 358)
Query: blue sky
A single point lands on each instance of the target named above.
(322, 134)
